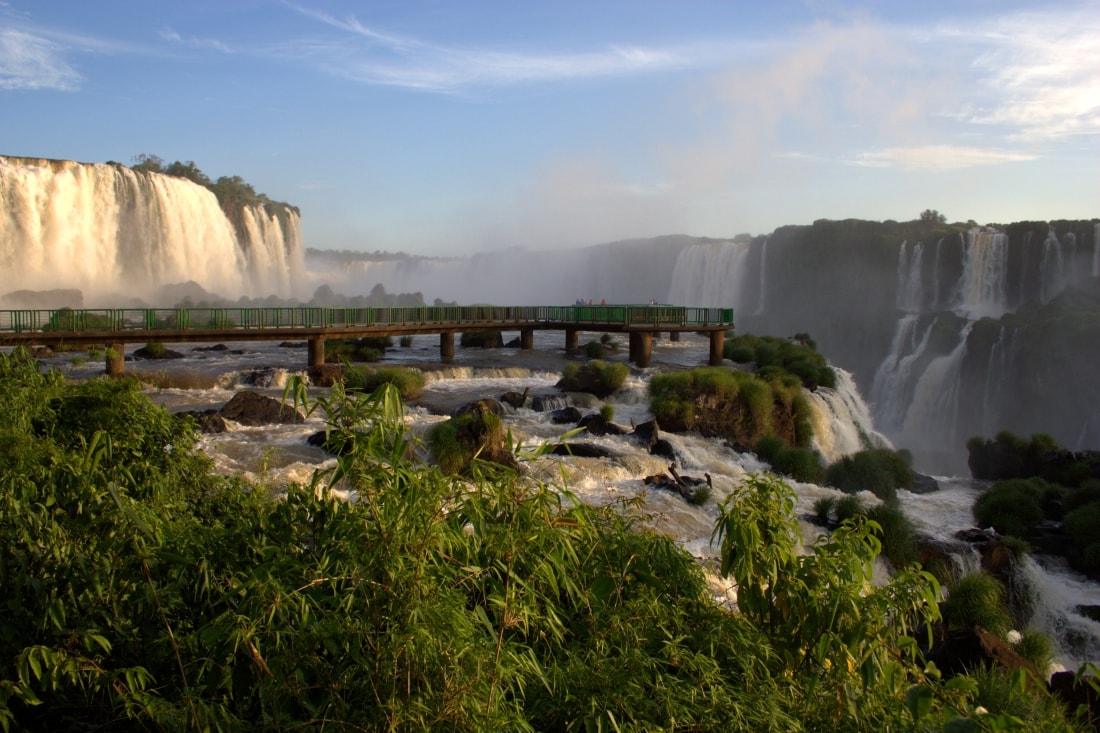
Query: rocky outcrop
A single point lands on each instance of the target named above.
(252, 408)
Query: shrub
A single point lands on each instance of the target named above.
(607, 412)
(849, 506)
(597, 377)
(880, 471)
(1011, 507)
(977, 599)
(406, 341)
(482, 339)
(801, 464)
(1037, 648)
(768, 447)
(797, 357)
(593, 350)
(409, 382)
(739, 354)
(823, 508)
(899, 542)
(155, 349)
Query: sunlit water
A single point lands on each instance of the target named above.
(278, 455)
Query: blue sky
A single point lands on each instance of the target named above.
(440, 127)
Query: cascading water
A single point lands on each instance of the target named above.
(112, 232)
(710, 275)
(763, 301)
(842, 421)
(910, 280)
(981, 291)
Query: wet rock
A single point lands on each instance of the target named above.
(664, 449)
(326, 375)
(648, 434)
(156, 352)
(209, 421)
(215, 347)
(252, 408)
(565, 416)
(923, 484)
(582, 450)
(596, 425)
(515, 399)
(694, 490)
(969, 649)
(549, 403)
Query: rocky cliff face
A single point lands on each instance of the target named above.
(950, 331)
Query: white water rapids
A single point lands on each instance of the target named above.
(274, 456)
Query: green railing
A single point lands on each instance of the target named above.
(82, 320)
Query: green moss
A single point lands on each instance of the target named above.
(409, 382)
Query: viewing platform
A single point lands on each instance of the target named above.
(113, 328)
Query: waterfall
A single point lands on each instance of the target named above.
(910, 281)
(1052, 267)
(710, 275)
(981, 290)
(931, 419)
(1096, 250)
(842, 421)
(113, 232)
(892, 387)
(1054, 593)
(763, 301)
(994, 382)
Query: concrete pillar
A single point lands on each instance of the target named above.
(116, 360)
(527, 339)
(717, 342)
(673, 336)
(447, 347)
(572, 339)
(316, 352)
(641, 348)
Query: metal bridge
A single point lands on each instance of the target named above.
(115, 327)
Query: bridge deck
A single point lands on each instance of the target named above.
(118, 326)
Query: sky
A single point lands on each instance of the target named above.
(440, 127)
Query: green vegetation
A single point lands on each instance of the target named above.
(142, 592)
(1013, 507)
(232, 192)
(797, 356)
(1039, 481)
(977, 599)
(892, 527)
(880, 471)
(363, 349)
(405, 341)
(607, 411)
(482, 339)
(597, 377)
(409, 382)
(732, 404)
(594, 350)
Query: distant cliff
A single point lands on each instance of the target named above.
(116, 233)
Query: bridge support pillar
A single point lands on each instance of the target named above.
(572, 340)
(673, 336)
(641, 348)
(316, 352)
(447, 347)
(717, 342)
(527, 339)
(116, 359)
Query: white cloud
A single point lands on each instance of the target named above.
(938, 157)
(1039, 75)
(31, 62)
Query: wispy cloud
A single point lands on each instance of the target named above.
(1039, 73)
(28, 61)
(172, 36)
(368, 55)
(938, 157)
